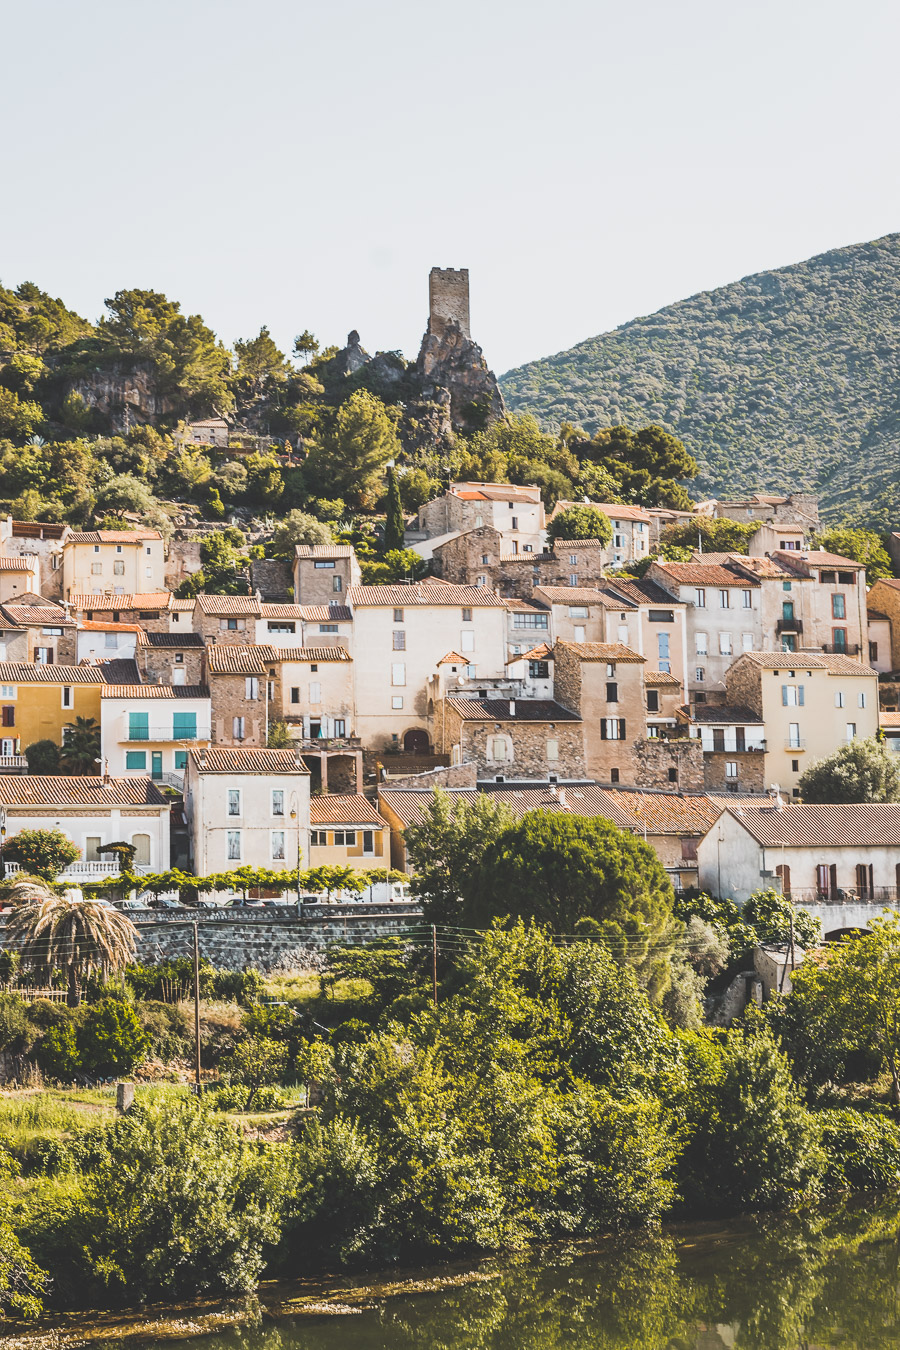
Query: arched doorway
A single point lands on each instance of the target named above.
(415, 741)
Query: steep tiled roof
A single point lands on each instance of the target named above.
(323, 551)
(497, 710)
(18, 564)
(540, 653)
(701, 574)
(422, 593)
(615, 510)
(35, 610)
(661, 812)
(241, 605)
(132, 600)
(109, 626)
(316, 613)
(809, 825)
(661, 679)
(572, 595)
(47, 790)
(112, 536)
(833, 662)
(229, 659)
(154, 691)
(106, 672)
(335, 808)
(601, 651)
(173, 639)
(565, 545)
(453, 659)
(641, 592)
(225, 760)
(268, 610)
(725, 714)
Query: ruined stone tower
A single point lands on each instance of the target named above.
(448, 298)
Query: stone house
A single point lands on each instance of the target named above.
(348, 831)
(247, 808)
(239, 682)
(814, 853)
(723, 618)
(35, 629)
(603, 684)
(92, 811)
(112, 562)
(149, 729)
(172, 658)
(884, 598)
(151, 610)
(225, 619)
(797, 508)
(733, 739)
(528, 624)
(43, 541)
(324, 573)
(631, 529)
(510, 738)
(516, 513)
(400, 633)
(810, 704)
(568, 563)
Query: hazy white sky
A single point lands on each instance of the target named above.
(304, 165)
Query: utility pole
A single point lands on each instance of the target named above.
(434, 964)
(784, 971)
(197, 1009)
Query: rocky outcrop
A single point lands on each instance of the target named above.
(449, 360)
(125, 396)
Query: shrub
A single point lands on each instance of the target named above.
(862, 1151)
(111, 1039)
(43, 852)
(57, 1052)
(22, 1281)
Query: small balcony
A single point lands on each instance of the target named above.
(795, 746)
(789, 626)
(169, 733)
(835, 649)
(739, 748)
(85, 871)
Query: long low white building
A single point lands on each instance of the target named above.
(818, 854)
(92, 812)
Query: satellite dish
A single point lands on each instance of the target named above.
(460, 679)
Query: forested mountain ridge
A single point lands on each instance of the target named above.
(785, 379)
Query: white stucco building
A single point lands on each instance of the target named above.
(247, 808)
(146, 730)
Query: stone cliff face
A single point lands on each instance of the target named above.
(449, 360)
(126, 396)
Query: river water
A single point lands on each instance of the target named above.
(773, 1283)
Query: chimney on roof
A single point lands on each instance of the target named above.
(106, 778)
(562, 796)
(512, 707)
(203, 759)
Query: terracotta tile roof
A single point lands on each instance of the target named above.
(319, 613)
(565, 545)
(661, 812)
(602, 651)
(105, 672)
(108, 626)
(579, 799)
(615, 510)
(572, 595)
(453, 659)
(34, 609)
(112, 536)
(224, 760)
(133, 600)
(833, 662)
(243, 605)
(700, 574)
(323, 551)
(63, 790)
(528, 606)
(230, 659)
(817, 557)
(643, 592)
(733, 714)
(808, 825)
(761, 567)
(18, 564)
(316, 654)
(497, 710)
(889, 719)
(274, 611)
(490, 492)
(186, 639)
(335, 808)
(167, 691)
(530, 558)
(177, 606)
(661, 679)
(539, 653)
(429, 592)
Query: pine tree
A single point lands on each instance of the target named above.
(394, 526)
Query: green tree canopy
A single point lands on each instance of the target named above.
(298, 527)
(714, 535)
(863, 546)
(860, 771)
(567, 872)
(444, 851)
(42, 853)
(580, 522)
(647, 464)
(395, 523)
(352, 449)
(260, 364)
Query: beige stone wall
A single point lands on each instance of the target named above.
(743, 686)
(462, 560)
(448, 298)
(214, 628)
(297, 682)
(751, 771)
(676, 766)
(140, 573)
(534, 749)
(315, 585)
(886, 597)
(229, 700)
(567, 683)
(158, 664)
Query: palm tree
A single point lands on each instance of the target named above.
(81, 746)
(67, 930)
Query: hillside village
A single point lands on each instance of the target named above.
(301, 718)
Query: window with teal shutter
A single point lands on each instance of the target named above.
(184, 726)
(181, 760)
(139, 726)
(136, 759)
